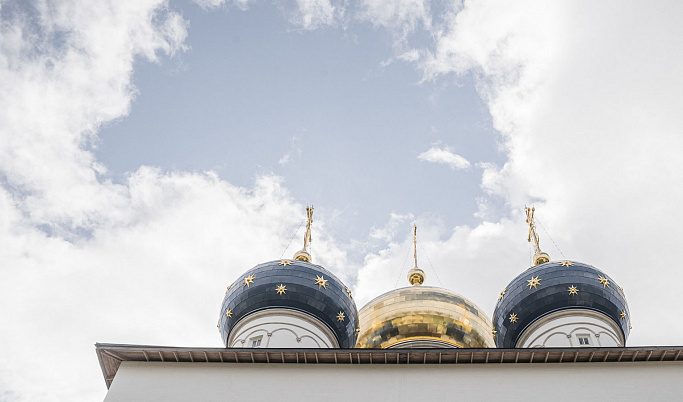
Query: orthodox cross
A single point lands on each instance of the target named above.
(415, 244)
(307, 235)
(532, 227)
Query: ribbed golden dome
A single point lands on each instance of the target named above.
(423, 316)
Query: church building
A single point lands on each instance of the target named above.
(292, 331)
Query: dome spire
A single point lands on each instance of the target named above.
(416, 276)
(303, 254)
(415, 244)
(539, 257)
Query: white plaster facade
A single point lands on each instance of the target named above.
(281, 328)
(173, 382)
(572, 328)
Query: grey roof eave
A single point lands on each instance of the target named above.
(110, 355)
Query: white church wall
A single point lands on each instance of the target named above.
(170, 382)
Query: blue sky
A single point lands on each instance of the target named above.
(151, 152)
(254, 94)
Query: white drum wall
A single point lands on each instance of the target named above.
(281, 328)
(564, 328)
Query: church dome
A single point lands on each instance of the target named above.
(423, 316)
(289, 303)
(557, 286)
(295, 286)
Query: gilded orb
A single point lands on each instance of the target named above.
(302, 255)
(416, 276)
(541, 258)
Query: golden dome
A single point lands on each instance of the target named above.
(423, 316)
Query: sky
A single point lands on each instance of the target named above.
(152, 151)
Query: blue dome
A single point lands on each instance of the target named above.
(559, 285)
(324, 299)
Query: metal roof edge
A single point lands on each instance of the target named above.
(111, 356)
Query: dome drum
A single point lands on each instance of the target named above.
(552, 287)
(294, 285)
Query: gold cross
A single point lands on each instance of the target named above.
(309, 220)
(532, 227)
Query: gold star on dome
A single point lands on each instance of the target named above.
(604, 281)
(573, 290)
(248, 280)
(566, 263)
(281, 289)
(349, 292)
(340, 316)
(321, 282)
(494, 333)
(502, 294)
(533, 282)
(623, 314)
(513, 318)
(228, 313)
(228, 289)
(285, 262)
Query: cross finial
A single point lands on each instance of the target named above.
(416, 276)
(532, 227)
(415, 243)
(307, 235)
(303, 254)
(539, 257)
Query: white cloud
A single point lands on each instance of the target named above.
(130, 262)
(147, 278)
(463, 259)
(284, 159)
(315, 14)
(214, 4)
(444, 155)
(53, 101)
(294, 151)
(402, 17)
(587, 100)
(391, 229)
(411, 56)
